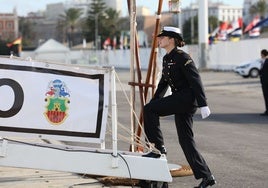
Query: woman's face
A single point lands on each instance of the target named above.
(164, 42)
(263, 56)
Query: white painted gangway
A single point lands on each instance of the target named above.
(61, 102)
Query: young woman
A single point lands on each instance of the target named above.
(180, 74)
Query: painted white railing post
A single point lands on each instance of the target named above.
(114, 119)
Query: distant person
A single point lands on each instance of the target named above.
(181, 75)
(264, 79)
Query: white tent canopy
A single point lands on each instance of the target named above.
(52, 50)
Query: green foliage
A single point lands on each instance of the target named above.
(190, 30)
(94, 20)
(27, 31)
(259, 8)
(102, 21)
(69, 21)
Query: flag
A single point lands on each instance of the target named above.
(114, 42)
(107, 43)
(15, 42)
(250, 26)
(125, 44)
(222, 35)
(215, 32)
(121, 41)
(15, 46)
(84, 43)
(236, 27)
(254, 32)
(263, 22)
(237, 32)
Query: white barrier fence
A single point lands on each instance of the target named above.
(221, 56)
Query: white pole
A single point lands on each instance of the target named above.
(132, 62)
(203, 32)
(114, 119)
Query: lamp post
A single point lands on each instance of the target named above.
(174, 6)
(203, 32)
(96, 31)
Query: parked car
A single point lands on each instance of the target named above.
(249, 69)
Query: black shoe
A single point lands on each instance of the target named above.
(162, 150)
(207, 182)
(154, 154)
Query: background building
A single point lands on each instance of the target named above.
(218, 10)
(9, 26)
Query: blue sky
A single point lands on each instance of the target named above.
(25, 6)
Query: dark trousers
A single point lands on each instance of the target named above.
(182, 106)
(264, 84)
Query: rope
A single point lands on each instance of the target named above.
(126, 139)
(136, 117)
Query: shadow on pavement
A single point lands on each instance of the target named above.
(240, 118)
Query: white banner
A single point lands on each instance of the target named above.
(57, 101)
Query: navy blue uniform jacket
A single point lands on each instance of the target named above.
(180, 73)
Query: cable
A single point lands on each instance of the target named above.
(130, 177)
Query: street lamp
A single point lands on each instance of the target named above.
(99, 15)
(174, 6)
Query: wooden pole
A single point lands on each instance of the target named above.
(151, 66)
(152, 63)
(139, 76)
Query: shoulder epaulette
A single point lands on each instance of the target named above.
(188, 62)
(179, 51)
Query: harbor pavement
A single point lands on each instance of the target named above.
(233, 140)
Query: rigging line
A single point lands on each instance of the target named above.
(135, 114)
(128, 100)
(124, 128)
(126, 139)
(127, 131)
(136, 137)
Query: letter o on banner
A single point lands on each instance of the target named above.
(19, 97)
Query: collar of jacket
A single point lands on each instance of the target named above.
(171, 53)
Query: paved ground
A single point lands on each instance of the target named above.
(233, 140)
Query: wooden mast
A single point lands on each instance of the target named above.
(151, 68)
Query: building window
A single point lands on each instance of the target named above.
(9, 25)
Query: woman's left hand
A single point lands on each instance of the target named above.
(205, 112)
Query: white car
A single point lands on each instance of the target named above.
(249, 69)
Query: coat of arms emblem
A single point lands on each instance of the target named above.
(57, 98)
